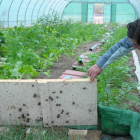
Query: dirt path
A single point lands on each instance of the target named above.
(65, 63)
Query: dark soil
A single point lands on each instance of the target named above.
(65, 63)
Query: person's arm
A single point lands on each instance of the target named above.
(121, 48)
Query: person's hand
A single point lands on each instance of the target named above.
(93, 72)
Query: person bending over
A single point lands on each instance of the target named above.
(123, 47)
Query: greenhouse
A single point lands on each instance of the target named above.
(70, 69)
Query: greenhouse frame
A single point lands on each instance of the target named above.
(29, 11)
(70, 69)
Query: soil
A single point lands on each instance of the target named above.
(65, 63)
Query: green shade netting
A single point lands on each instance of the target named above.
(116, 122)
(119, 122)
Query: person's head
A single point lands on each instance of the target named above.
(133, 33)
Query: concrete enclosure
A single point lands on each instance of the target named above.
(49, 102)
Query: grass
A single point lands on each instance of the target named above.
(32, 133)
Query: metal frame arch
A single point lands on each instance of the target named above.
(1, 2)
(66, 5)
(51, 6)
(26, 11)
(134, 7)
(18, 11)
(62, 9)
(56, 4)
(59, 11)
(38, 3)
(40, 8)
(9, 12)
(59, 6)
(46, 7)
(136, 12)
(33, 10)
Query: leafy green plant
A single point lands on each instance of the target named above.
(39, 46)
(113, 87)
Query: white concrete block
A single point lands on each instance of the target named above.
(69, 103)
(20, 103)
(77, 134)
(57, 101)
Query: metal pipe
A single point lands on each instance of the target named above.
(57, 9)
(57, 4)
(62, 9)
(40, 8)
(50, 7)
(46, 7)
(68, 77)
(26, 12)
(135, 9)
(18, 11)
(81, 59)
(93, 47)
(60, 6)
(103, 41)
(0, 2)
(33, 11)
(9, 12)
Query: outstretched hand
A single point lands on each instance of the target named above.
(93, 72)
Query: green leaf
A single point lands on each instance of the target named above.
(36, 41)
(20, 43)
(1, 34)
(47, 73)
(122, 92)
(99, 96)
(15, 72)
(107, 90)
(28, 70)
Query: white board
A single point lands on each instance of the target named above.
(51, 102)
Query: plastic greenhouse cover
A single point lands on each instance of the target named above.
(103, 1)
(14, 11)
